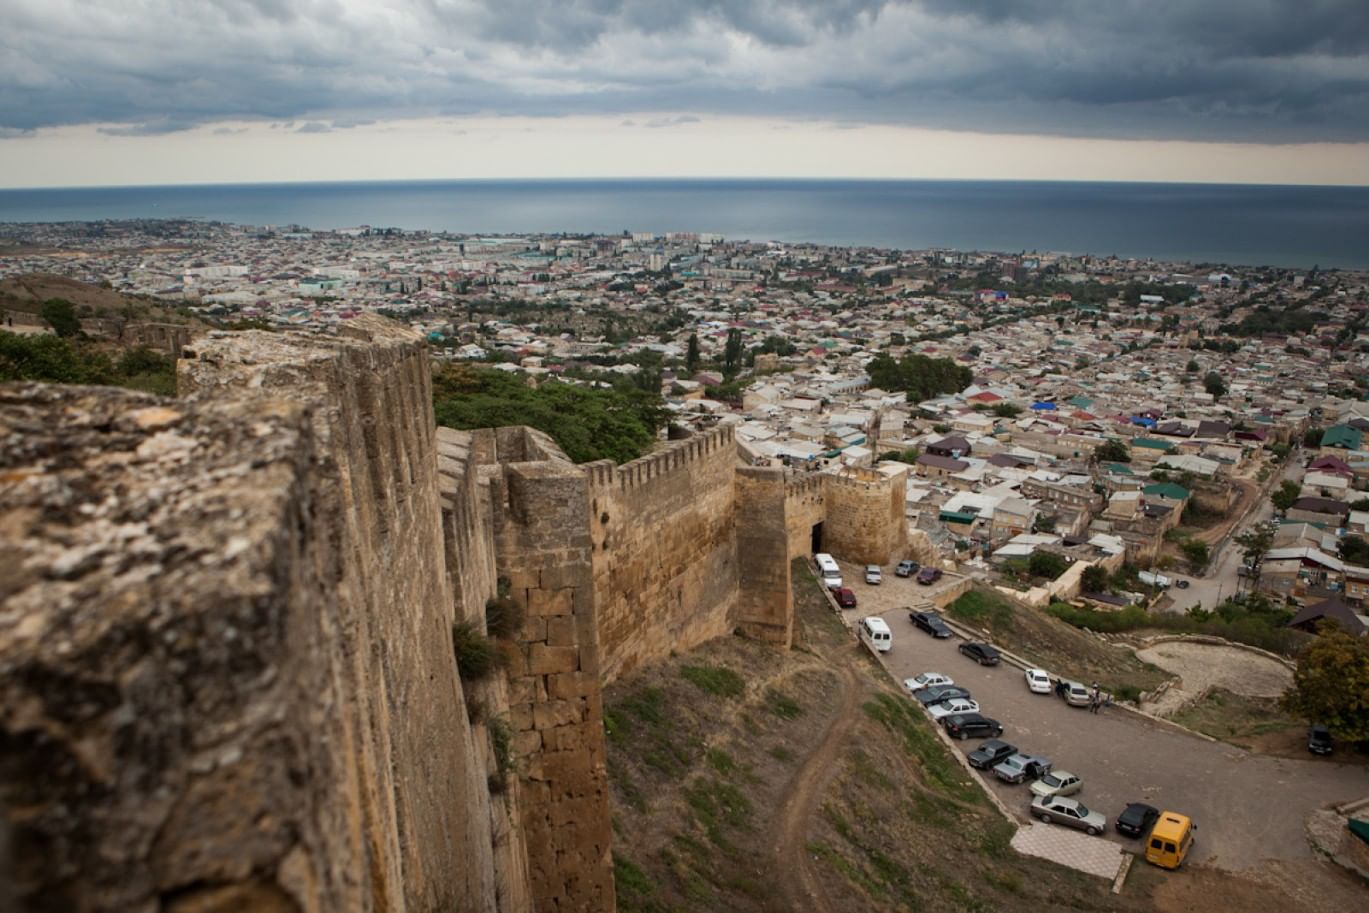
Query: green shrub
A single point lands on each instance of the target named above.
(477, 657)
(501, 742)
(503, 617)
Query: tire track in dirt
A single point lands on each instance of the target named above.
(788, 838)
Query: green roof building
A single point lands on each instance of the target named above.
(1342, 436)
(1167, 490)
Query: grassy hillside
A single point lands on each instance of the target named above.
(27, 293)
(746, 779)
(1039, 637)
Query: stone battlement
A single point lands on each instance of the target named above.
(673, 456)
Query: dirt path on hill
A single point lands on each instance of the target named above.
(788, 836)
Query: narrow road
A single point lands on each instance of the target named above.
(1221, 580)
(799, 801)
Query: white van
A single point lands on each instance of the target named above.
(828, 570)
(875, 632)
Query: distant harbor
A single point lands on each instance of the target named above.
(1291, 226)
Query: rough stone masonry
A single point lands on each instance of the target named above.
(227, 676)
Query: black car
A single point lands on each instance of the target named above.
(983, 654)
(1319, 740)
(1136, 819)
(938, 693)
(907, 568)
(990, 753)
(931, 623)
(972, 725)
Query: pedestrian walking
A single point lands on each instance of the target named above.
(1095, 703)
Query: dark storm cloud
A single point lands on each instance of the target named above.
(1240, 70)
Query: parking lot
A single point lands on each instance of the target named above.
(1247, 807)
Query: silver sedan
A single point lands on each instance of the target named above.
(1059, 810)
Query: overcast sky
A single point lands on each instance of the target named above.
(152, 91)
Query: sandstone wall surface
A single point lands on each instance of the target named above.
(765, 601)
(413, 774)
(540, 503)
(664, 550)
(865, 514)
(804, 508)
(169, 688)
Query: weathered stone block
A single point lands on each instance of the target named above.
(550, 602)
(545, 660)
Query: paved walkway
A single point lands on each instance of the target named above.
(1092, 855)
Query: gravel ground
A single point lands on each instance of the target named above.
(1202, 666)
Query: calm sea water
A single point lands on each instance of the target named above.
(1237, 224)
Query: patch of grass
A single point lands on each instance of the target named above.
(720, 761)
(997, 840)
(983, 607)
(781, 753)
(647, 705)
(868, 772)
(782, 705)
(718, 807)
(635, 888)
(715, 680)
(1008, 882)
(837, 861)
(641, 719)
(940, 771)
(477, 656)
(1226, 715)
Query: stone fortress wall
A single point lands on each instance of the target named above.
(252, 698)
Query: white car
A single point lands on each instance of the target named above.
(926, 680)
(1038, 682)
(1057, 783)
(873, 576)
(953, 706)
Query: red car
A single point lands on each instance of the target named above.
(845, 598)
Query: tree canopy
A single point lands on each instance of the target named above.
(1331, 684)
(919, 376)
(1287, 493)
(589, 423)
(61, 316)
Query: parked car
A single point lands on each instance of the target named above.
(1319, 740)
(1073, 693)
(1057, 783)
(926, 680)
(1020, 767)
(846, 597)
(972, 725)
(873, 576)
(938, 693)
(1181, 583)
(983, 654)
(928, 575)
(1038, 682)
(990, 753)
(1058, 810)
(907, 568)
(1136, 819)
(942, 709)
(931, 623)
